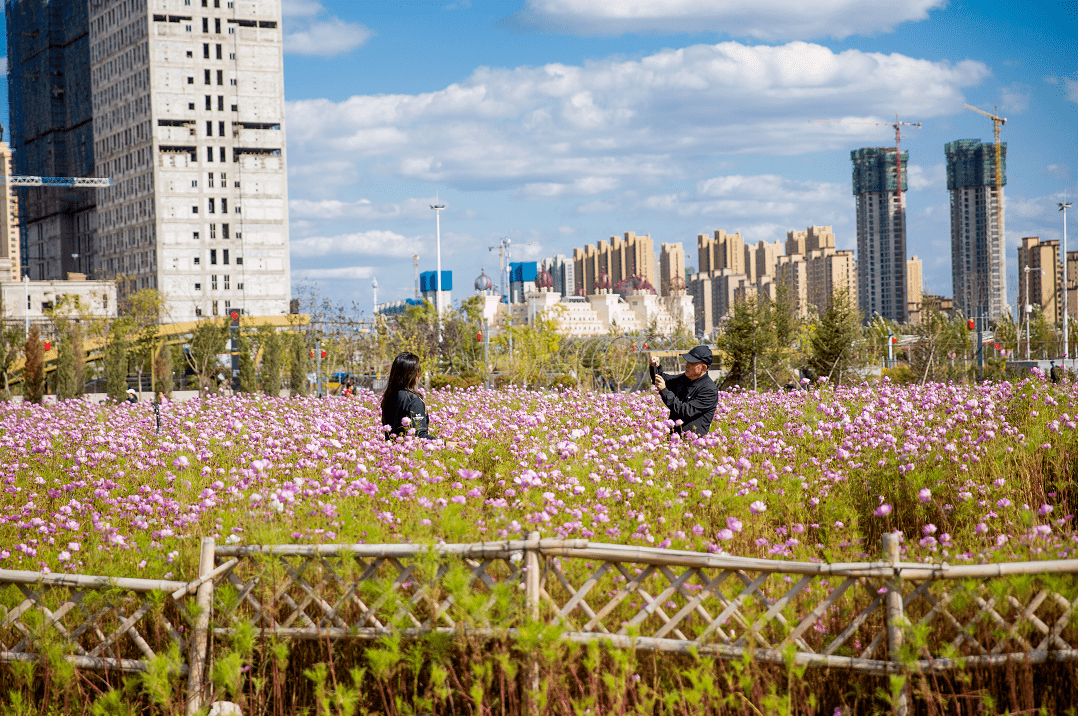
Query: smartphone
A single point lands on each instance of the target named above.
(653, 369)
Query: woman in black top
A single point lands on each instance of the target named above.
(401, 401)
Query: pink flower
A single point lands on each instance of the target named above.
(733, 524)
(725, 534)
(925, 494)
(757, 507)
(883, 510)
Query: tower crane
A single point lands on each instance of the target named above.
(898, 143)
(86, 182)
(997, 124)
(503, 261)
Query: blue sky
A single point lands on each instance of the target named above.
(563, 122)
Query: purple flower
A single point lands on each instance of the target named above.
(925, 495)
(883, 510)
(757, 507)
(734, 524)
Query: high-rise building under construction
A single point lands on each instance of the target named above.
(978, 258)
(879, 184)
(181, 104)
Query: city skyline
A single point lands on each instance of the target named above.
(562, 124)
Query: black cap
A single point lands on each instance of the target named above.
(699, 354)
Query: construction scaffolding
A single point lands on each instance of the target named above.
(874, 170)
(972, 163)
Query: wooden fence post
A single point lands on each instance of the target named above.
(895, 614)
(198, 642)
(531, 576)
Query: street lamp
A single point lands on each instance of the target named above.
(438, 274)
(26, 306)
(1063, 206)
(1027, 307)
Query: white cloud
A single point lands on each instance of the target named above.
(921, 178)
(351, 273)
(761, 19)
(360, 209)
(311, 30)
(736, 197)
(1014, 98)
(368, 243)
(561, 130)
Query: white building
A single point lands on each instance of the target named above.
(34, 300)
(188, 115)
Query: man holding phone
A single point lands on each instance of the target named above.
(691, 396)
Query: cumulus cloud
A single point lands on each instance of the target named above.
(369, 243)
(735, 197)
(921, 178)
(309, 29)
(564, 130)
(761, 19)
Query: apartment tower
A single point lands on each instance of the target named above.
(978, 259)
(10, 265)
(879, 184)
(186, 108)
(622, 258)
(671, 268)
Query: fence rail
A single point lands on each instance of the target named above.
(856, 616)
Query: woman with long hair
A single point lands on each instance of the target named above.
(401, 402)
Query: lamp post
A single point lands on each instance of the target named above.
(26, 306)
(1063, 206)
(438, 271)
(1027, 307)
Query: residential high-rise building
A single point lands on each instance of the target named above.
(765, 257)
(562, 271)
(830, 272)
(620, 259)
(671, 268)
(1045, 278)
(183, 107)
(792, 271)
(879, 185)
(721, 251)
(10, 265)
(978, 259)
(49, 95)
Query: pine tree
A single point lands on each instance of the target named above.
(248, 376)
(33, 376)
(78, 353)
(162, 366)
(116, 364)
(833, 350)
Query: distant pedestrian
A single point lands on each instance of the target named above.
(403, 408)
(132, 396)
(691, 396)
(1055, 372)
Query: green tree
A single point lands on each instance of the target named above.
(299, 364)
(142, 311)
(65, 367)
(116, 362)
(529, 352)
(248, 375)
(33, 372)
(272, 360)
(760, 340)
(943, 348)
(78, 353)
(833, 349)
(208, 340)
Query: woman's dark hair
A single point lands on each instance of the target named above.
(403, 375)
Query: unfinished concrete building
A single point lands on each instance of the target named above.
(978, 257)
(10, 264)
(879, 183)
(182, 105)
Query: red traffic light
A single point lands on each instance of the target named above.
(478, 336)
(48, 345)
(323, 354)
(235, 315)
(969, 324)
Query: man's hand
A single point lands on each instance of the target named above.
(655, 361)
(660, 384)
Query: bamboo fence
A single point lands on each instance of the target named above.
(868, 617)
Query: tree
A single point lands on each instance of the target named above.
(833, 345)
(207, 342)
(534, 350)
(759, 341)
(116, 363)
(162, 370)
(272, 360)
(33, 372)
(78, 354)
(298, 366)
(248, 375)
(65, 368)
(11, 340)
(142, 315)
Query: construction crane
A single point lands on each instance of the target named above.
(415, 265)
(997, 124)
(83, 182)
(898, 143)
(503, 261)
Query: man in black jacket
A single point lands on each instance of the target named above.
(691, 396)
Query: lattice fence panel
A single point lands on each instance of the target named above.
(104, 628)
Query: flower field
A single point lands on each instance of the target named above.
(968, 473)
